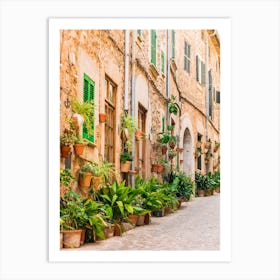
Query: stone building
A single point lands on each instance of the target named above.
(138, 71)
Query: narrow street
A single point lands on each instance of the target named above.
(195, 226)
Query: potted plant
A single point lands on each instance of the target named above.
(66, 179)
(102, 117)
(198, 144)
(172, 141)
(67, 139)
(208, 144)
(83, 113)
(85, 176)
(79, 145)
(128, 129)
(172, 154)
(74, 218)
(201, 184)
(101, 173)
(173, 107)
(164, 149)
(125, 159)
(163, 137)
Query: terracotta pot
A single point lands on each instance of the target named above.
(65, 151)
(118, 230)
(83, 236)
(160, 168)
(72, 238)
(140, 220)
(79, 149)
(102, 117)
(125, 166)
(139, 134)
(85, 180)
(164, 150)
(61, 240)
(172, 145)
(147, 219)
(109, 231)
(200, 193)
(167, 210)
(97, 182)
(155, 168)
(217, 190)
(133, 219)
(207, 192)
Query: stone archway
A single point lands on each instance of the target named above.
(187, 153)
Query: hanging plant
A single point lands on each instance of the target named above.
(84, 113)
(173, 107)
(128, 129)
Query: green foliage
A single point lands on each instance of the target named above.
(86, 110)
(72, 211)
(173, 107)
(129, 124)
(65, 177)
(183, 183)
(204, 182)
(125, 156)
(68, 138)
(104, 169)
(117, 200)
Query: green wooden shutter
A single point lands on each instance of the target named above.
(197, 70)
(139, 32)
(162, 62)
(163, 124)
(218, 97)
(153, 47)
(88, 95)
(173, 43)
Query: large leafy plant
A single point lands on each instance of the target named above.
(66, 177)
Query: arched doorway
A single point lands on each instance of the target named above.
(187, 154)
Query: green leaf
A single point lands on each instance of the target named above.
(129, 208)
(114, 199)
(120, 205)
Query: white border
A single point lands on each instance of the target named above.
(223, 25)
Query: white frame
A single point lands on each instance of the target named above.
(55, 254)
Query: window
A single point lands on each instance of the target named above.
(218, 97)
(210, 95)
(88, 95)
(173, 43)
(200, 70)
(153, 47)
(187, 57)
(162, 62)
(139, 32)
(199, 139)
(163, 124)
(110, 100)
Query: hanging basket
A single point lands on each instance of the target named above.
(65, 151)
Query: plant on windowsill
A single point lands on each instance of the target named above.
(83, 113)
(67, 139)
(125, 159)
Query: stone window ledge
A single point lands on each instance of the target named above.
(154, 70)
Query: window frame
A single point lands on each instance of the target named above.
(187, 56)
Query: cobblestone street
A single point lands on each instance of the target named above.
(195, 226)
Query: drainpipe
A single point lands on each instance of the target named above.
(133, 104)
(126, 66)
(207, 86)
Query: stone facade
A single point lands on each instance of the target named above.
(100, 54)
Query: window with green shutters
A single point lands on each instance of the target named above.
(162, 62)
(88, 95)
(154, 47)
(173, 43)
(187, 57)
(139, 32)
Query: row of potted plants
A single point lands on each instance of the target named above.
(107, 211)
(207, 184)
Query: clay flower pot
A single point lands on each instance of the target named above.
(164, 150)
(133, 219)
(140, 220)
(155, 168)
(102, 117)
(85, 180)
(200, 193)
(125, 166)
(79, 149)
(65, 151)
(160, 169)
(172, 145)
(72, 238)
